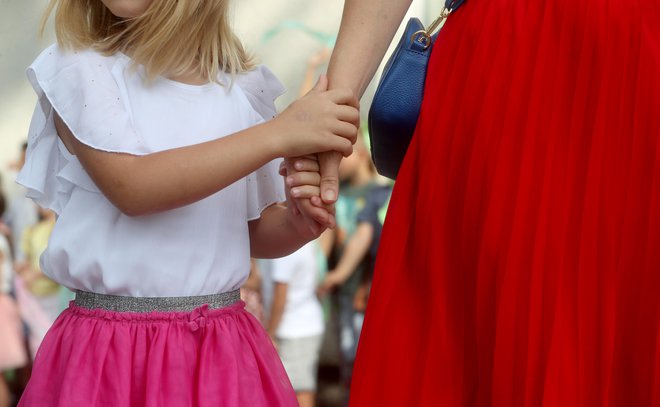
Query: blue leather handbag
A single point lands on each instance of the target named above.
(398, 98)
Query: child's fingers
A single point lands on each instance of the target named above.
(340, 144)
(343, 97)
(348, 114)
(332, 221)
(313, 207)
(283, 168)
(303, 178)
(346, 130)
(306, 164)
(318, 214)
(305, 191)
(334, 143)
(318, 202)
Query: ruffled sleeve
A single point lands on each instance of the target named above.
(264, 186)
(81, 88)
(261, 87)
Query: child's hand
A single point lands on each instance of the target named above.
(321, 120)
(302, 183)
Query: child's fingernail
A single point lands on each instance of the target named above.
(289, 180)
(329, 195)
(295, 192)
(298, 165)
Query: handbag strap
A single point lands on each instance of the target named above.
(453, 5)
(422, 38)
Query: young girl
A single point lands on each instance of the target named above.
(149, 141)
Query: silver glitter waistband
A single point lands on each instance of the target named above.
(118, 303)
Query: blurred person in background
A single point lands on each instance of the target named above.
(12, 348)
(40, 299)
(294, 315)
(21, 211)
(362, 246)
(357, 178)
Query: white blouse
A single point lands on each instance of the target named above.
(202, 248)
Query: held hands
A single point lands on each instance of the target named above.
(322, 120)
(306, 211)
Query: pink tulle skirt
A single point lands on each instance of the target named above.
(219, 357)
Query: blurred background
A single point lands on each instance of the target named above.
(294, 38)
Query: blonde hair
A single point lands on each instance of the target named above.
(170, 38)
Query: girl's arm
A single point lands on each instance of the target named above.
(366, 31)
(282, 229)
(275, 234)
(138, 185)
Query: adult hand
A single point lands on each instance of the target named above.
(329, 163)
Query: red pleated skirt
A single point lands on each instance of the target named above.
(520, 258)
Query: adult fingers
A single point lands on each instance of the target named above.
(296, 204)
(329, 163)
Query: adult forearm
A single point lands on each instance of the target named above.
(366, 31)
(367, 28)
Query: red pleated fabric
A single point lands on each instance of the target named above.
(520, 259)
